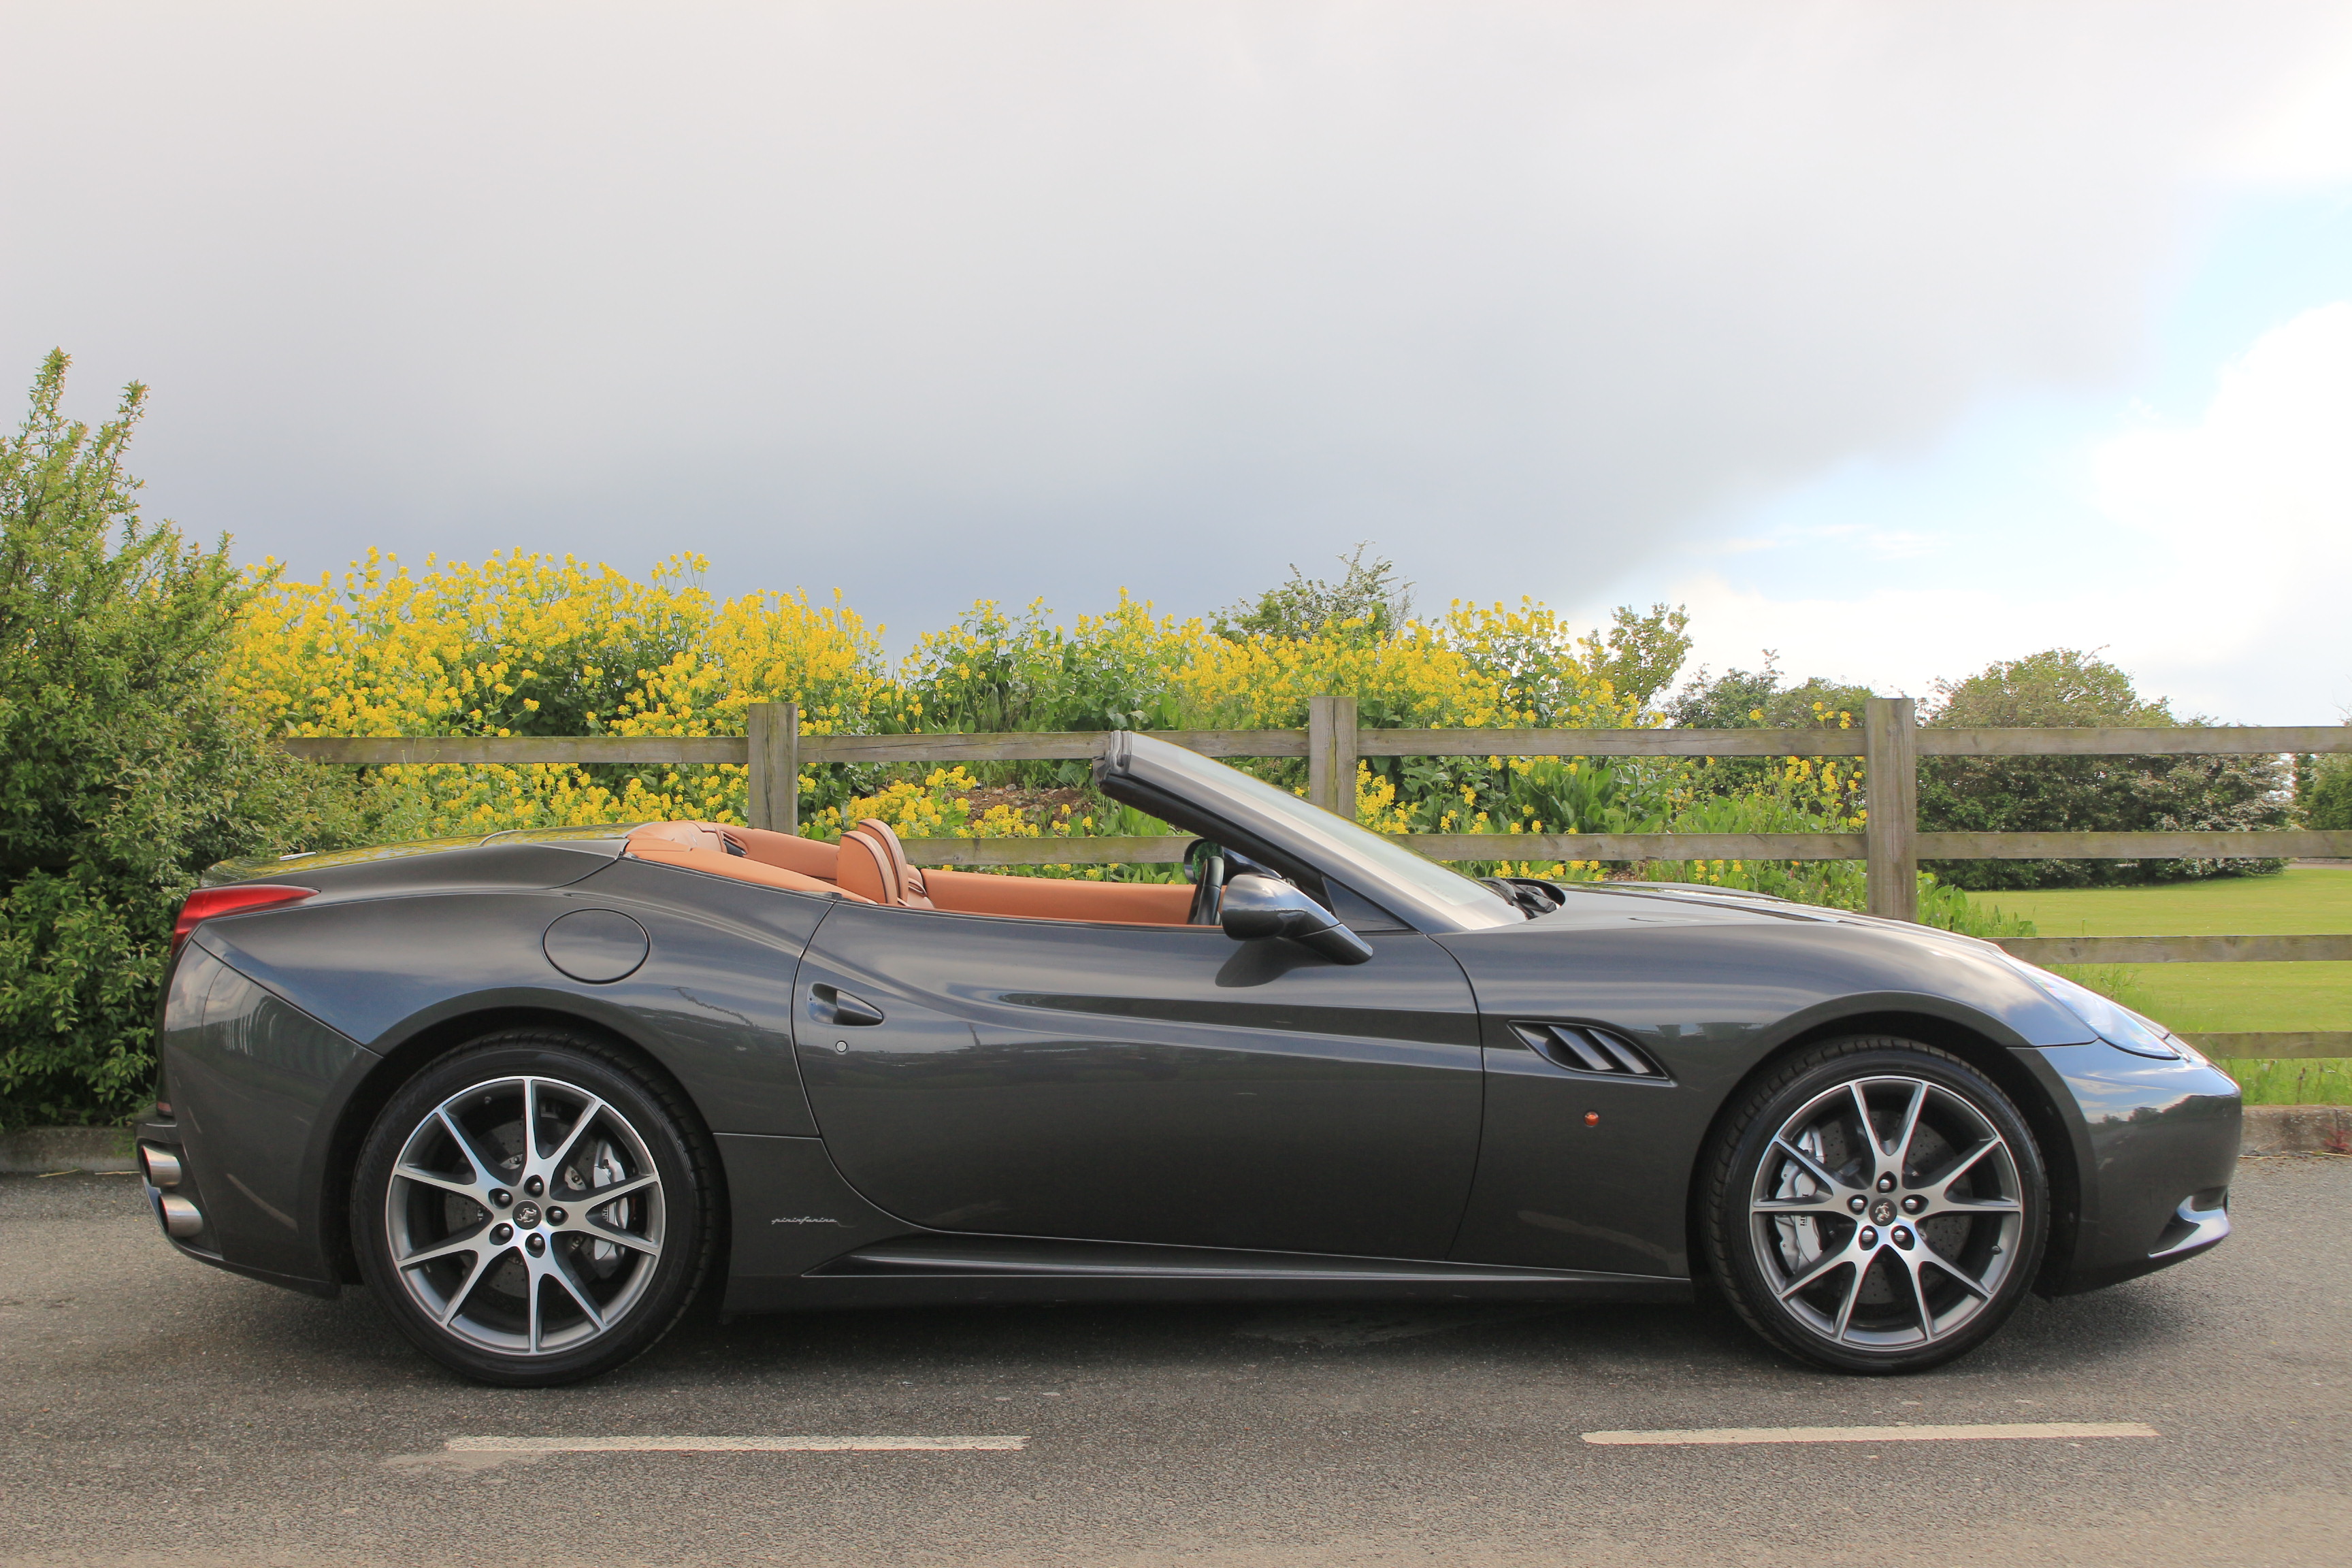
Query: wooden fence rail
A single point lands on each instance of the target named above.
(1890, 743)
(2180, 949)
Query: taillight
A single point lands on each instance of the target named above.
(205, 902)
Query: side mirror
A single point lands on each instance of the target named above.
(1258, 906)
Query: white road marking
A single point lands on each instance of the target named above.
(626, 1445)
(1710, 1435)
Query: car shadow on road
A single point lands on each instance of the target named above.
(1703, 1337)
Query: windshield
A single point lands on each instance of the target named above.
(1345, 840)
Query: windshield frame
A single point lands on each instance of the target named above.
(1428, 895)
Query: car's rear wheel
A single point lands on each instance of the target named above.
(534, 1208)
(1875, 1205)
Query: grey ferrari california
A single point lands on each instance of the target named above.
(541, 1090)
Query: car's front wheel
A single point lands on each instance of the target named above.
(534, 1208)
(1875, 1205)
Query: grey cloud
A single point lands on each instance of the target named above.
(932, 301)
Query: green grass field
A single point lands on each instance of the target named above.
(2316, 899)
(2222, 997)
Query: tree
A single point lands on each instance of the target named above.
(124, 769)
(2325, 795)
(1746, 698)
(1640, 654)
(1756, 698)
(2065, 688)
(1368, 593)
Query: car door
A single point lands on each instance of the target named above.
(1143, 1083)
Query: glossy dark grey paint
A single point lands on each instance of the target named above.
(1148, 1083)
(1708, 990)
(252, 1075)
(2152, 1132)
(711, 1002)
(598, 946)
(1050, 1110)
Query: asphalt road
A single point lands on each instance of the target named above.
(155, 1411)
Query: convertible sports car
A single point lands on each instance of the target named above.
(536, 1090)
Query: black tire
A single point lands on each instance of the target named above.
(494, 1257)
(1950, 1226)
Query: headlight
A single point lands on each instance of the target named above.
(2118, 1026)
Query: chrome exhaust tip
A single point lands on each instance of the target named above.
(162, 1169)
(181, 1217)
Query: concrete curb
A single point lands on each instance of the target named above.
(40, 1150)
(2270, 1130)
(2297, 1130)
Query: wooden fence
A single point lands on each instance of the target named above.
(1891, 846)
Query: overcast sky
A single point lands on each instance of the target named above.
(1895, 338)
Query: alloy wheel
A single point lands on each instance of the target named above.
(525, 1216)
(1886, 1214)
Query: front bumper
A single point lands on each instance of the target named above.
(2156, 1146)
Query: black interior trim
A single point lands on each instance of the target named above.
(1351, 907)
(1182, 813)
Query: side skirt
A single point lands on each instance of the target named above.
(802, 1239)
(937, 1268)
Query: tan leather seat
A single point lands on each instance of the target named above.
(745, 853)
(912, 885)
(874, 864)
(865, 869)
(1062, 899)
(870, 866)
(711, 836)
(789, 852)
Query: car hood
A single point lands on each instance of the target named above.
(1723, 952)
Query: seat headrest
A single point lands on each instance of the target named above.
(901, 883)
(863, 869)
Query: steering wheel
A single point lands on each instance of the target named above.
(1204, 867)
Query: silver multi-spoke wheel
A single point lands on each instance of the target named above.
(525, 1216)
(1887, 1213)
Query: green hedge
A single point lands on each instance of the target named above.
(123, 768)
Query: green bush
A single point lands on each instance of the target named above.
(123, 768)
(1755, 698)
(2327, 797)
(2063, 688)
(1743, 699)
(1369, 596)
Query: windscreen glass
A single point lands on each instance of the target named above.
(1341, 837)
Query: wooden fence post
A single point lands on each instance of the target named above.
(1331, 754)
(1890, 742)
(775, 735)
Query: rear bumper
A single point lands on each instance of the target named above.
(178, 1204)
(252, 1082)
(2156, 1148)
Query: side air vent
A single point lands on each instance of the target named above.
(1579, 1047)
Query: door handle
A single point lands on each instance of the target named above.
(831, 1004)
